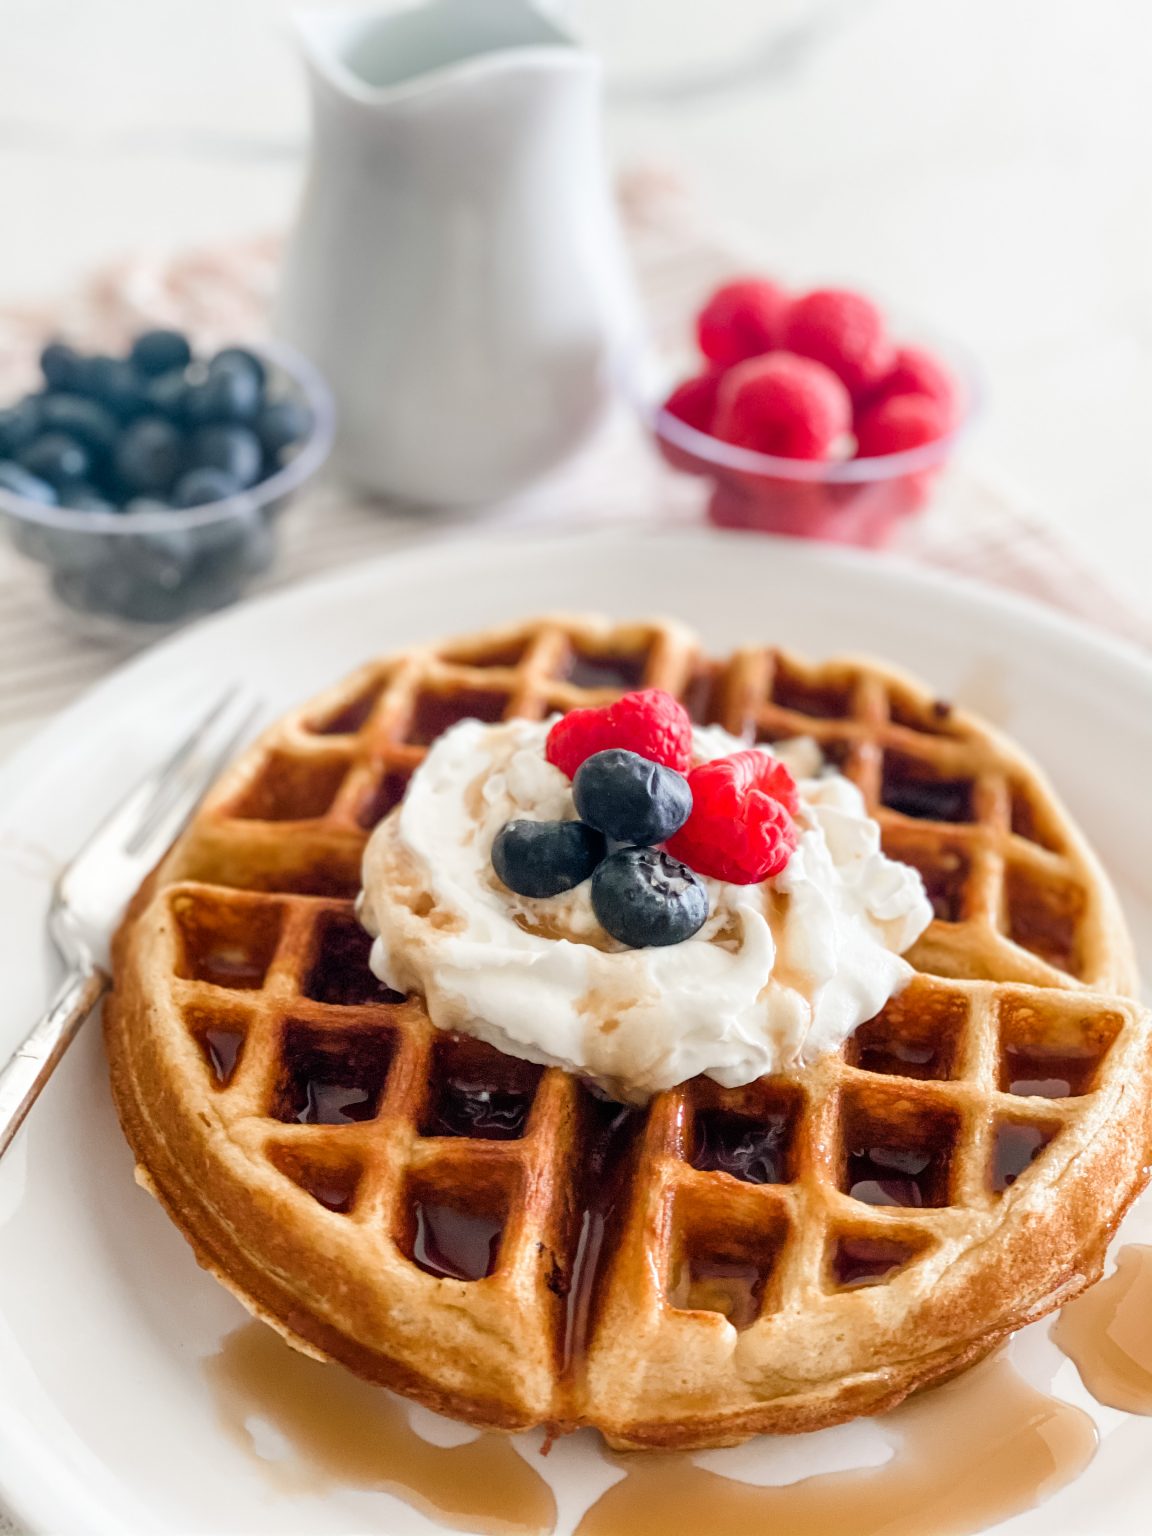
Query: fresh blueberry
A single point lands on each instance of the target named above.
(146, 504)
(149, 456)
(58, 458)
(112, 589)
(167, 394)
(160, 351)
(630, 799)
(229, 391)
(643, 897)
(282, 423)
(61, 365)
(200, 486)
(163, 559)
(82, 419)
(543, 858)
(19, 424)
(84, 498)
(18, 481)
(115, 383)
(240, 357)
(233, 449)
(65, 549)
(241, 544)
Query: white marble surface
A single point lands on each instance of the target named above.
(983, 163)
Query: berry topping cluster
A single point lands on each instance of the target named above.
(813, 376)
(650, 824)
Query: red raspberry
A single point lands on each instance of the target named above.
(844, 331)
(650, 722)
(741, 826)
(904, 421)
(917, 372)
(741, 320)
(783, 405)
(694, 401)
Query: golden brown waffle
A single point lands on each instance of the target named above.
(493, 1239)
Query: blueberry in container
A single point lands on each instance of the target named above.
(143, 509)
(158, 351)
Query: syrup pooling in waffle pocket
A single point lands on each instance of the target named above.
(331, 1127)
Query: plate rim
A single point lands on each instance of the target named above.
(33, 1482)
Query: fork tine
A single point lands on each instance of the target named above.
(190, 772)
(123, 825)
(184, 750)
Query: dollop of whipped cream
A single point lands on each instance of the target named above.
(779, 974)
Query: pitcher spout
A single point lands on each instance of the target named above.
(370, 55)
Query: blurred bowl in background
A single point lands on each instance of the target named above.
(861, 501)
(119, 573)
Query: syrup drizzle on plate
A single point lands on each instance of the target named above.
(969, 1454)
(342, 1432)
(1107, 1333)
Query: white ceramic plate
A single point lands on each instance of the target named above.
(107, 1422)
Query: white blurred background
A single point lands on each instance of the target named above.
(982, 164)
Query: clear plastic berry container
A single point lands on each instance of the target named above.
(112, 573)
(861, 501)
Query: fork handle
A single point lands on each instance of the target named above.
(32, 1063)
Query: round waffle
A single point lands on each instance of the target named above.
(505, 1246)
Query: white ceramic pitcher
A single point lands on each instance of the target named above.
(456, 269)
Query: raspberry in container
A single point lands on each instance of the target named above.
(809, 414)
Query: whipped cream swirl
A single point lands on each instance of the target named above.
(778, 975)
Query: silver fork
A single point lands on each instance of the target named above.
(89, 898)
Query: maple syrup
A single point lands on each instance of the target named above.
(754, 1151)
(823, 701)
(434, 713)
(455, 1244)
(468, 1108)
(972, 1453)
(227, 944)
(1107, 1333)
(342, 1432)
(223, 1047)
(868, 1260)
(912, 789)
(334, 1190)
(381, 799)
(944, 872)
(477, 1092)
(610, 1134)
(1043, 916)
(232, 967)
(899, 1058)
(331, 1077)
(1015, 1147)
(340, 973)
(883, 1175)
(914, 1039)
(349, 717)
(600, 670)
(732, 1287)
(1029, 1071)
